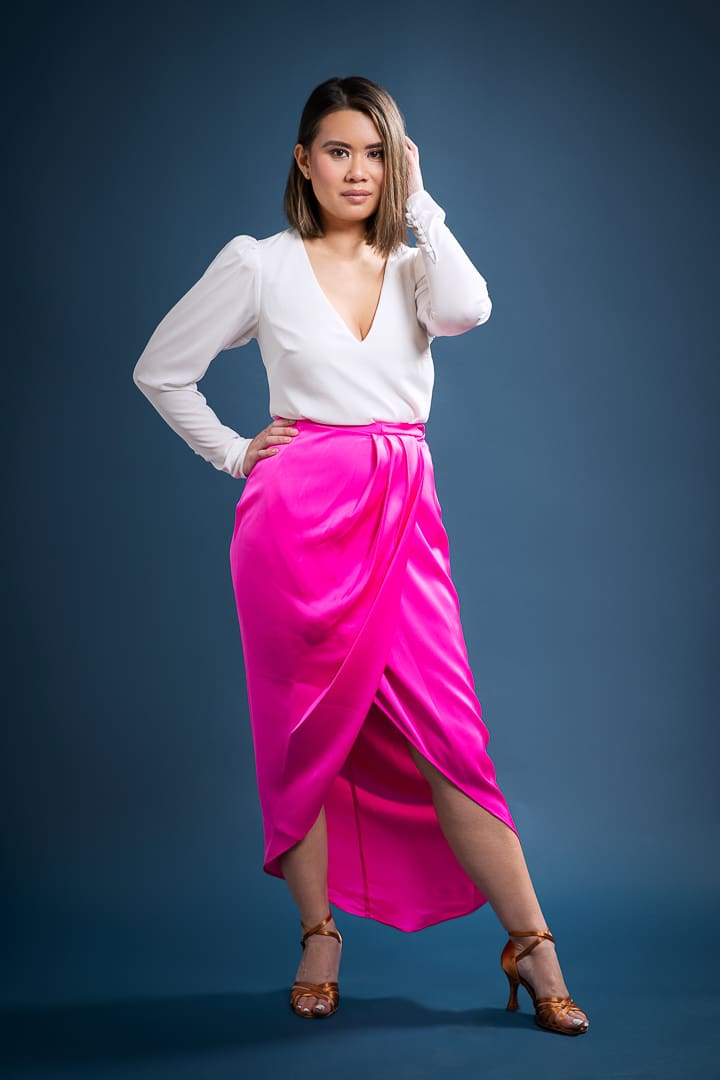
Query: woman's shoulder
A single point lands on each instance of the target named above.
(403, 252)
(250, 258)
(405, 259)
(248, 248)
(261, 254)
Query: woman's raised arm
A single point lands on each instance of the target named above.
(451, 295)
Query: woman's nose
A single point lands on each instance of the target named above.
(356, 169)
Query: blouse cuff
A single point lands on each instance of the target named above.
(424, 215)
(235, 457)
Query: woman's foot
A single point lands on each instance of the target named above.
(542, 970)
(320, 963)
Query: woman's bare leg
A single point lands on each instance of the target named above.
(305, 868)
(490, 853)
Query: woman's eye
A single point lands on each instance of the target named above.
(376, 155)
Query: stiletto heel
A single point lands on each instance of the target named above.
(513, 999)
(549, 1011)
(327, 990)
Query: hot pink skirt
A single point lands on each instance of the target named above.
(354, 648)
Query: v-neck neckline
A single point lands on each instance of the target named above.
(331, 306)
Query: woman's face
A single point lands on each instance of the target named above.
(345, 165)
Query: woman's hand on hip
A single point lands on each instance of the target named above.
(415, 180)
(264, 444)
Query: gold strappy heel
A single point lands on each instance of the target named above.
(328, 990)
(549, 1011)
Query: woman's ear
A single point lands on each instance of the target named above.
(301, 157)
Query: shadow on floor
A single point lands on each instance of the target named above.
(145, 1028)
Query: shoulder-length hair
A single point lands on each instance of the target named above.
(386, 228)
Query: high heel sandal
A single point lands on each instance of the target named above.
(327, 990)
(549, 1011)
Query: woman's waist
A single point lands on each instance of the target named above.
(414, 429)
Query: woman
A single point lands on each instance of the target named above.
(376, 788)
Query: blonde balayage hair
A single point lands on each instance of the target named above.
(386, 228)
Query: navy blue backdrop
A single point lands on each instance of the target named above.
(575, 439)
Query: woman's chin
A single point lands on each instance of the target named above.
(346, 213)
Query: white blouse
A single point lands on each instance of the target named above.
(317, 368)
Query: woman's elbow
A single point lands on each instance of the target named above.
(141, 377)
(483, 307)
(148, 381)
(473, 312)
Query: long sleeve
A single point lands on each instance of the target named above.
(219, 312)
(451, 295)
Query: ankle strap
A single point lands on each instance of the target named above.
(539, 935)
(531, 933)
(314, 929)
(310, 930)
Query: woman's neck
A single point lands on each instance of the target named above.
(342, 238)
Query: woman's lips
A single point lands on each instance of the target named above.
(356, 196)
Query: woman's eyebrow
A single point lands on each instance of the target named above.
(347, 146)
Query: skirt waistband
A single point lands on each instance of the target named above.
(379, 427)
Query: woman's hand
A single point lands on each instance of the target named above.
(415, 180)
(263, 445)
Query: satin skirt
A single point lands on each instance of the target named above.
(353, 649)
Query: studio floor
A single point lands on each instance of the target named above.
(412, 1006)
